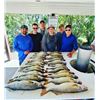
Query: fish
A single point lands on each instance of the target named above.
(53, 70)
(27, 77)
(55, 54)
(63, 71)
(41, 54)
(54, 66)
(68, 87)
(33, 68)
(63, 74)
(24, 85)
(59, 65)
(30, 66)
(34, 72)
(56, 62)
(34, 63)
(61, 80)
(33, 60)
(53, 59)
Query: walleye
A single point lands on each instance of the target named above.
(31, 69)
(61, 80)
(53, 59)
(68, 87)
(34, 72)
(53, 70)
(56, 62)
(27, 77)
(24, 85)
(34, 63)
(36, 59)
(59, 74)
(28, 66)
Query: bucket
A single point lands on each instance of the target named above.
(83, 58)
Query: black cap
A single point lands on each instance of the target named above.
(42, 21)
(24, 26)
(68, 26)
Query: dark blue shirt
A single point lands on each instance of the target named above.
(68, 43)
(22, 44)
(59, 40)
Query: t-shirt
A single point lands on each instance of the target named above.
(49, 43)
(59, 40)
(68, 43)
(36, 38)
(22, 44)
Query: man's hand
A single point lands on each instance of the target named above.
(92, 47)
(26, 52)
(70, 54)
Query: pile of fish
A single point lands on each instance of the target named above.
(46, 71)
(29, 75)
(59, 79)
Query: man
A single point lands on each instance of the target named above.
(42, 29)
(49, 40)
(69, 41)
(59, 36)
(93, 45)
(23, 44)
(36, 38)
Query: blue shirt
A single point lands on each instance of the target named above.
(22, 44)
(59, 40)
(68, 43)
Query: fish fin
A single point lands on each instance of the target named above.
(46, 71)
(57, 93)
(10, 81)
(46, 82)
(43, 92)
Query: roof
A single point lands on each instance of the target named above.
(69, 7)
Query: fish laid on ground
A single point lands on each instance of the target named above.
(24, 85)
(53, 59)
(53, 70)
(31, 69)
(68, 87)
(62, 80)
(58, 66)
(34, 63)
(25, 69)
(54, 62)
(36, 59)
(57, 61)
(57, 75)
(27, 77)
(34, 72)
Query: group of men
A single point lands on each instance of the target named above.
(45, 39)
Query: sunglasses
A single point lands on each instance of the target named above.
(68, 30)
(35, 28)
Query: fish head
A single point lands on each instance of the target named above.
(84, 88)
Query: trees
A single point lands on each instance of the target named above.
(83, 26)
